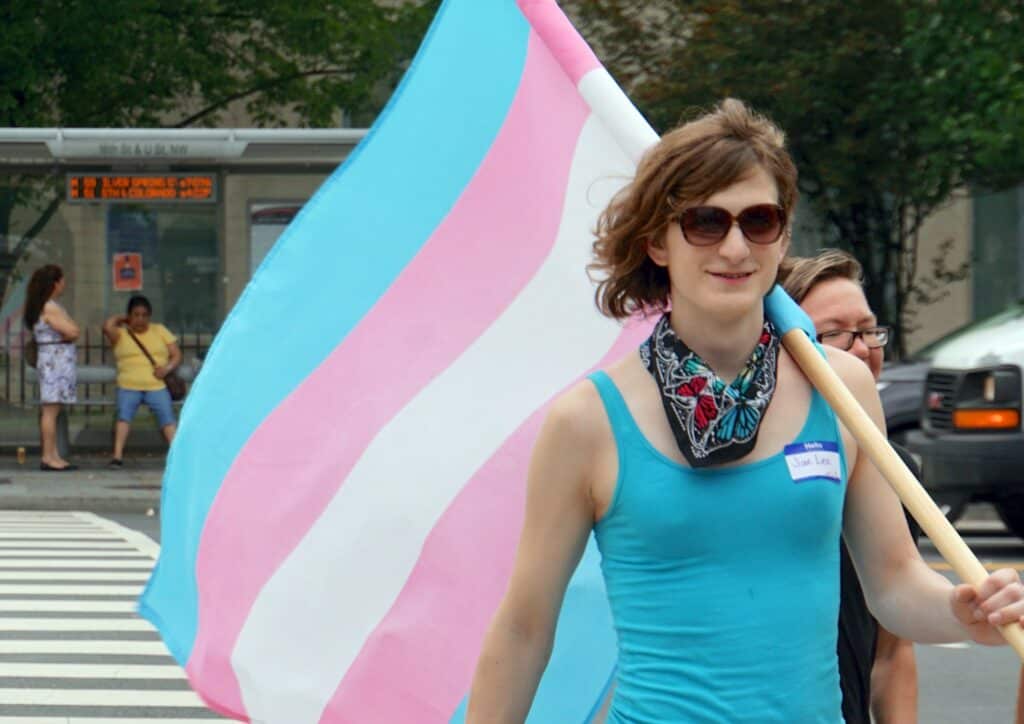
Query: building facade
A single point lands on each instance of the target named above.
(181, 216)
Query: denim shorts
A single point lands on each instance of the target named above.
(159, 401)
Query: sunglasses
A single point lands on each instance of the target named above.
(708, 225)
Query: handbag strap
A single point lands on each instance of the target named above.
(141, 346)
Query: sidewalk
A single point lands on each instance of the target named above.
(94, 487)
(135, 488)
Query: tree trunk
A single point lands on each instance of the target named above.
(866, 229)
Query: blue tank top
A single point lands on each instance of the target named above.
(723, 582)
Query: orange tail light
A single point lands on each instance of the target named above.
(986, 419)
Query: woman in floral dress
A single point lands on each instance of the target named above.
(54, 333)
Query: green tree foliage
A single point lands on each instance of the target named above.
(889, 108)
(181, 63)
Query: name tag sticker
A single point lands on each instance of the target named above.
(813, 461)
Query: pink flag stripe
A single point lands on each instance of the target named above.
(572, 52)
(444, 609)
(284, 477)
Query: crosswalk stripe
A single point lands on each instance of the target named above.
(93, 720)
(64, 554)
(107, 606)
(105, 697)
(60, 545)
(76, 575)
(111, 671)
(59, 533)
(95, 634)
(139, 540)
(68, 590)
(72, 648)
(74, 624)
(106, 659)
(82, 647)
(51, 529)
(92, 683)
(95, 564)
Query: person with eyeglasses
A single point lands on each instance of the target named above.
(877, 670)
(715, 479)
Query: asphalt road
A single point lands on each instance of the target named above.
(957, 683)
(964, 682)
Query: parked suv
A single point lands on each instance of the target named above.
(970, 438)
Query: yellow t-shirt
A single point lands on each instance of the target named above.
(134, 371)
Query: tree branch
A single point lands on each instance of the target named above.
(221, 103)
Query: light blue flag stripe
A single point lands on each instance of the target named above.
(332, 264)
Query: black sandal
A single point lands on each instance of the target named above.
(54, 469)
(115, 463)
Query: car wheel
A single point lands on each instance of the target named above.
(1012, 513)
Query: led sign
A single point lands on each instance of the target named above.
(142, 187)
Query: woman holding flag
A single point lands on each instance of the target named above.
(716, 480)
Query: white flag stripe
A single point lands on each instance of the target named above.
(75, 624)
(42, 588)
(73, 576)
(79, 563)
(93, 671)
(22, 605)
(83, 647)
(104, 697)
(300, 635)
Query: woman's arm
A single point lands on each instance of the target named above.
(57, 318)
(558, 519)
(173, 360)
(111, 327)
(894, 680)
(905, 595)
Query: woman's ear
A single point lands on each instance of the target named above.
(657, 250)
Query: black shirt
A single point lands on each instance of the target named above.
(858, 629)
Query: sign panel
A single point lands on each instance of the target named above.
(127, 272)
(135, 188)
(267, 221)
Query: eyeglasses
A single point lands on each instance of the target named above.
(844, 338)
(708, 225)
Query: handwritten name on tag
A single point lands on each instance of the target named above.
(813, 461)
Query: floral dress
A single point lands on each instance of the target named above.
(56, 365)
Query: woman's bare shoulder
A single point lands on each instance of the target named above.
(579, 412)
(576, 413)
(853, 372)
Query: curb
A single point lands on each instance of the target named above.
(97, 504)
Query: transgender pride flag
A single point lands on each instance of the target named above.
(343, 500)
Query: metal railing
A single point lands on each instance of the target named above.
(21, 392)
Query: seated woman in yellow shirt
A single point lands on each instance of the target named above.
(140, 381)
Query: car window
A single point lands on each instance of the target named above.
(1015, 311)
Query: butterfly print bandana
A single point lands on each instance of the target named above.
(713, 422)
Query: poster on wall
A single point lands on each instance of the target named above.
(127, 272)
(267, 221)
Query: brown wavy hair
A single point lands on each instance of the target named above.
(798, 275)
(689, 164)
(40, 287)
